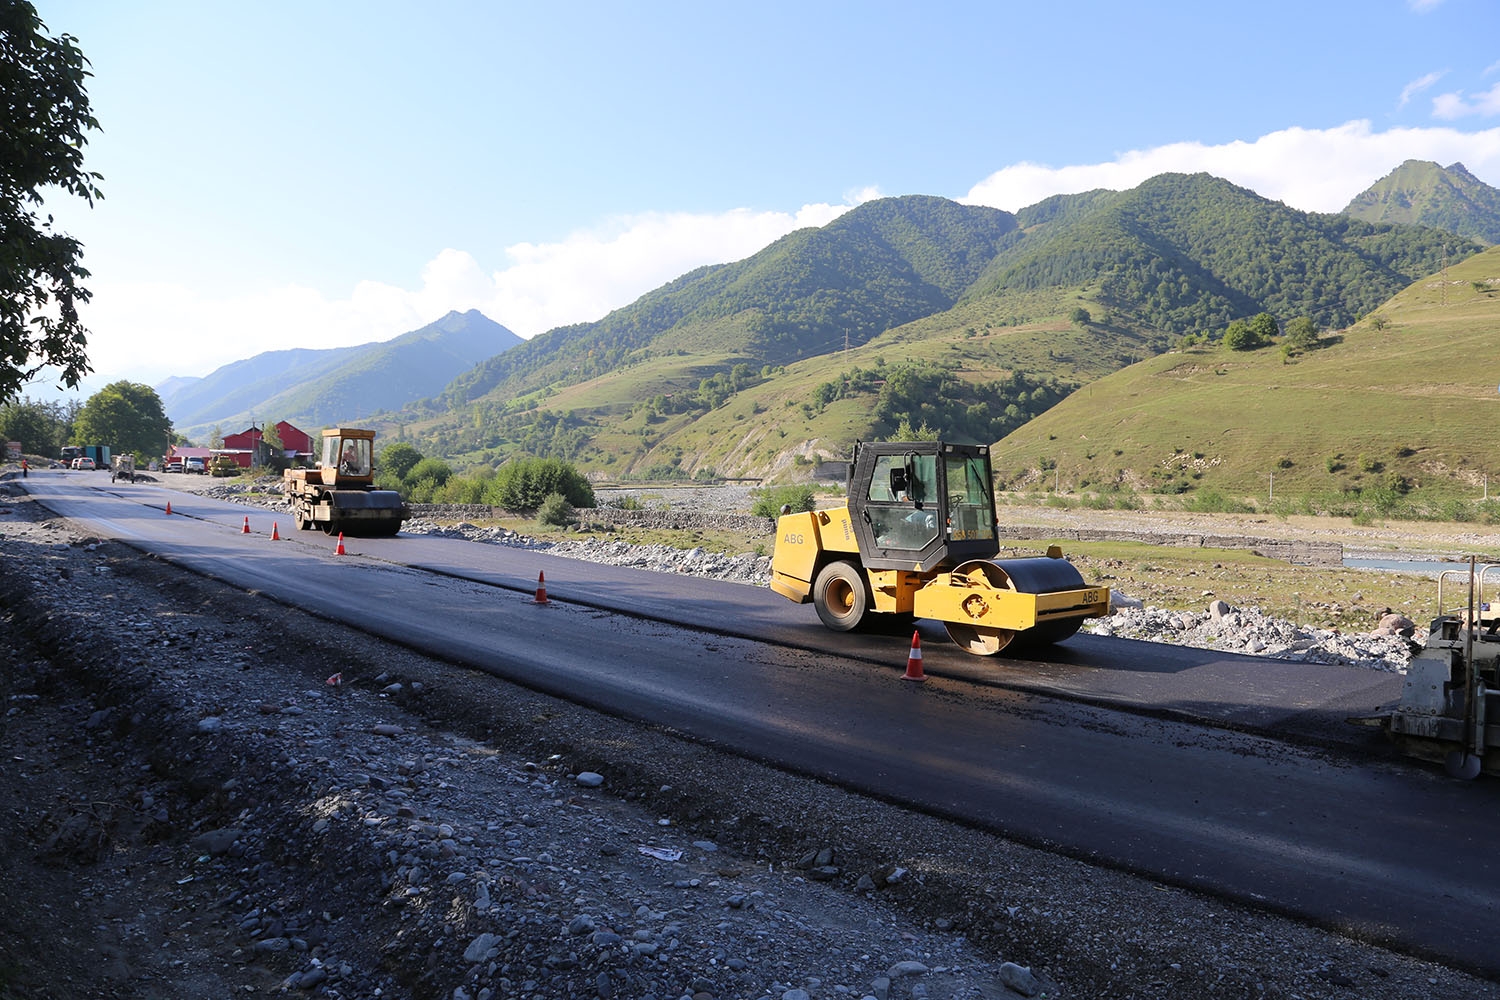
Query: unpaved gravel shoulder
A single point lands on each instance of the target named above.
(203, 815)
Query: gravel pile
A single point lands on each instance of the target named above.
(1248, 631)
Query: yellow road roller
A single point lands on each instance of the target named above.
(918, 537)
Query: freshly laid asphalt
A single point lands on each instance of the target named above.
(1233, 775)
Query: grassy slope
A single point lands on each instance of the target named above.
(1416, 399)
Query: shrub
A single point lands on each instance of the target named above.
(462, 489)
(423, 490)
(434, 469)
(1212, 501)
(555, 510)
(768, 502)
(522, 484)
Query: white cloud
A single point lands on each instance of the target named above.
(1417, 86)
(1316, 170)
(146, 332)
(1455, 105)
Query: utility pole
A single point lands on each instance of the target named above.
(1272, 495)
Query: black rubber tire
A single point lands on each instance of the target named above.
(841, 594)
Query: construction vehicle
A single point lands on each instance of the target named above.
(918, 538)
(123, 467)
(1449, 710)
(340, 495)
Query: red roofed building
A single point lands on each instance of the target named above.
(245, 446)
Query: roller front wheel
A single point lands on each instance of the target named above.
(841, 596)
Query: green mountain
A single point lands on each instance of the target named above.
(1401, 399)
(1419, 192)
(965, 319)
(1183, 252)
(317, 387)
(811, 292)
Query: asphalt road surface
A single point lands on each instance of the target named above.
(1228, 774)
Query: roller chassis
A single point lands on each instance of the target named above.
(917, 540)
(366, 512)
(339, 495)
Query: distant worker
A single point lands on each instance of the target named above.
(25, 469)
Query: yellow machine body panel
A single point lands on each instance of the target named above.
(801, 539)
(949, 597)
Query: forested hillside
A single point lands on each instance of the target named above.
(916, 313)
(1183, 253)
(880, 265)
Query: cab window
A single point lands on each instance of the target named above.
(902, 507)
(970, 513)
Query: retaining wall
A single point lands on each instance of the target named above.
(1327, 554)
(668, 520)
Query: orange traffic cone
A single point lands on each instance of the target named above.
(914, 661)
(246, 529)
(340, 550)
(541, 589)
(169, 506)
(275, 534)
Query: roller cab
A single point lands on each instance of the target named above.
(918, 537)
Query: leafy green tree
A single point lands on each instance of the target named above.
(41, 427)
(127, 416)
(216, 437)
(1241, 336)
(906, 432)
(43, 129)
(1301, 335)
(270, 436)
(1263, 325)
(397, 459)
(1080, 317)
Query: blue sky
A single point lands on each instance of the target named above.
(282, 174)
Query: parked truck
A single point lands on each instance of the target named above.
(98, 452)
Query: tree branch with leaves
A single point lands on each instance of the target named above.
(44, 124)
